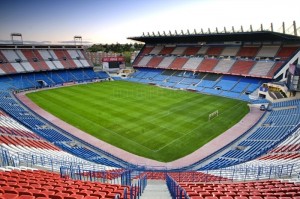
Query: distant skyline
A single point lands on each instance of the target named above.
(112, 21)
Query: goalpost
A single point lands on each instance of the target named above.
(213, 115)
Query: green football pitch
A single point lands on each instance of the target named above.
(153, 122)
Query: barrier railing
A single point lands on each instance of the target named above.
(131, 191)
(175, 190)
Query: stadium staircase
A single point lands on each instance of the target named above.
(156, 189)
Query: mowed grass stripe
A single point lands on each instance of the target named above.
(153, 122)
(78, 118)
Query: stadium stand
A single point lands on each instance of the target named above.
(192, 63)
(44, 184)
(229, 190)
(167, 50)
(179, 50)
(248, 51)
(191, 51)
(154, 62)
(230, 51)
(224, 66)
(178, 63)
(241, 67)
(207, 65)
(214, 50)
(265, 154)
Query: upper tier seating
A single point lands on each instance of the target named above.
(286, 51)
(143, 62)
(5, 66)
(178, 63)
(230, 51)
(166, 50)
(274, 69)
(224, 65)
(214, 50)
(29, 60)
(179, 50)
(83, 59)
(244, 60)
(242, 67)
(207, 65)
(153, 63)
(191, 51)
(147, 50)
(165, 63)
(202, 50)
(268, 51)
(156, 50)
(43, 65)
(261, 68)
(15, 61)
(192, 63)
(73, 57)
(248, 51)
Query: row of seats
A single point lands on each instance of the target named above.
(271, 189)
(50, 78)
(252, 68)
(43, 184)
(192, 176)
(87, 154)
(34, 60)
(274, 129)
(26, 146)
(224, 85)
(282, 52)
(41, 127)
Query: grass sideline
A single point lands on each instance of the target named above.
(157, 123)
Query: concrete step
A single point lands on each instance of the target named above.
(156, 189)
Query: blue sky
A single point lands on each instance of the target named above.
(112, 21)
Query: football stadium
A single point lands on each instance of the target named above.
(200, 115)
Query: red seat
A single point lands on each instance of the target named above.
(211, 197)
(74, 197)
(90, 197)
(55, 196)
(10, 196)
(240, 197)
(26, 197)
(40, 195)
(98, 194)
(226, 197)
(255, 197)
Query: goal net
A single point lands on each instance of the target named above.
(213, 115)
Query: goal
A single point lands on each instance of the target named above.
(213, 115)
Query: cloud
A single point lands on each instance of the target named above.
(72, 42)
(37, 42)
(24, 42)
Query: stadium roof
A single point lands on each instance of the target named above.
(258, 36)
